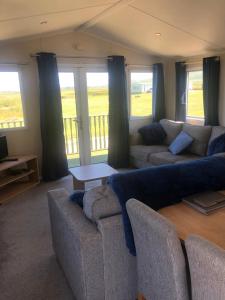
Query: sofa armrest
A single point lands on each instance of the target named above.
(78, 246)
(221, 154)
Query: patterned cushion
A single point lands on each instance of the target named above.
(216, 131)
(152, 134)
(100, 202)
(217, 145)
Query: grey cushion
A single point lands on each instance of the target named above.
(168, 158)
(216, 131)
(207, 269)
(137, 163)
(172, 129)
(201, 135)
(100, 202)
(143, 153)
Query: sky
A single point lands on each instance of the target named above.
(93, 79)
(9, 81)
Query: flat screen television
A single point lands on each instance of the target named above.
(3, 147)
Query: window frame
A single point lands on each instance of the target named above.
(192, 119)
(19, 70)
(138, 69)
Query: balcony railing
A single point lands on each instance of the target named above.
(11, 124)
(98, 127)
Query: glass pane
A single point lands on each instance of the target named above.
(141, 94)
(69, 112)
(195, 94)
(11, 109)
(98, 106)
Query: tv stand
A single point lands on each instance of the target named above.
(17, 174)
(9, 159)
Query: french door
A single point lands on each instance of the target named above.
(84, 94)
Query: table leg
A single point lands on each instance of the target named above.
(104, 180)
(78, 185)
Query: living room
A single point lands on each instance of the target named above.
(97, 97)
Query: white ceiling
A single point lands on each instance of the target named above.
(187, 27)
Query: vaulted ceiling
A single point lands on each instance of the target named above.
(184, 27)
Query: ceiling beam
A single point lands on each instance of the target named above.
(105, 13)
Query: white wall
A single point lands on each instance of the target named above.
(28, 140)
(222, 91)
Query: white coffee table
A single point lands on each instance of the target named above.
(88, 173)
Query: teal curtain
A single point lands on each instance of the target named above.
(158, 93)
(54, 162)
(181, 82)
(118, 156)
(211, 78)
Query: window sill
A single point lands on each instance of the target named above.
(195, 121)
(140, 117)
(2, 130)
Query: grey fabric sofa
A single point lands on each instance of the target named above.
(144, 156)
(90, 245)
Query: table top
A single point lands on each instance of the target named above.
(92, 172)
(189, 221)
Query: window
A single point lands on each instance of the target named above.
(11, 108)
(195, 94)
(141, 94)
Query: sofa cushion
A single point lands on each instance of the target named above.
(181, 142)
(152, 134)
(100, 202)
(201, 136)
(169, 158)
(143, 152)
(217, 145)
(216, 131)
(172, 129)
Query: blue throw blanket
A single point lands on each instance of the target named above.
(161, 186)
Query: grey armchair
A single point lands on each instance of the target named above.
(160, 260)
(207, 269)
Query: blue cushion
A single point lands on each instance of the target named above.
(217, 145)
(77, 197)
(152, 134)
(181, 142)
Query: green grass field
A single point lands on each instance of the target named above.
(11, 106)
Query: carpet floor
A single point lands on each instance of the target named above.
(28, 266)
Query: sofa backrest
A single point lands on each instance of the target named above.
(172, 129)
(216, 131)
(201, 135)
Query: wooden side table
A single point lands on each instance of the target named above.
(18, 176)
(88, 173)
